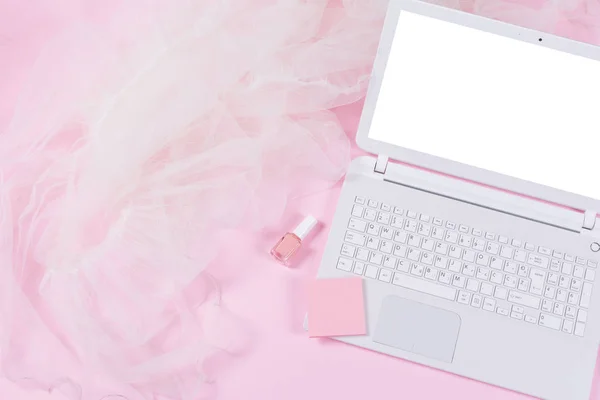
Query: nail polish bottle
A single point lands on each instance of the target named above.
(289, 244)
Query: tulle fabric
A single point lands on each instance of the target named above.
(138, 133)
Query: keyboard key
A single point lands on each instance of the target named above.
(483, 273)
(511, 267)
(531, 319)
(487, 289)
(537, 281)
(464, 297)
(450, 225)
(520, 255)
(359, 200)
(483, 259)
(518, 309)
(403, 266)
(424, 229)
(473, 285)
(427, 258)
(479, 244)
(386, 207)
(523, 285)
(586, 295)
(411, 214)
(400, 237)
(348, 250)
(571, 312)
(373, 243)
(358, 211)
(359, 268)
(386, 247)
(416, 269)
(399, 251)
(523, 270)
(468, 270)
(510, 281)
(362, 254)
(502, 311)
(396, 221)
(383, 218)
(431, 273)
(545, 251)
(344, 264)
(550, 321)
(451, 237)
(385, 275)
(550, 292)
(389, 262)
(559, 309)
(355, 238)
(561, 295)
(370, 214)
(516, 315)
(496, 263)
(547, 305)
(592, 264)
(578, 272)
(555, 265)
(580, 260)
(523, 299)
(372, 272)
(490, 236)
(376, 258)
(573, 298)
(437, 233)
(497, 277)
(357, 225)
(489, 304)
(537, 261)
(373, 229)
(579, 329)
(558, 254)
(410, 226)
(477, 301)
(477, 232)
(398, 211)
(500, 293)
(387, 232)
(459, 281)
(445, 277)
(413, 254)
(455, 252)
(414, 240)
(492, 248)
(423, 286)
(463, 229)
(517, 243)
(567, 326)
(425, 218)
(506, 252)
(582, 316)
(576, 285)
(529, 246)
(454, 265)
(590, 275)
(437, 221)
(569, 258)
(441, 248)
(373, 204)
(469, 256)
(553, 278)
(564, 282)
(441, 262)
(503, 239)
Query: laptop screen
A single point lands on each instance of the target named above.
(493, 102)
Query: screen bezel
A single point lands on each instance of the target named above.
(450, 167)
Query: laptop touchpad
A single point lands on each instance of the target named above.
(418, 328)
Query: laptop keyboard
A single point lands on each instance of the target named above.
(464, 264)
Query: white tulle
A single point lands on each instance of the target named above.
(137, 138)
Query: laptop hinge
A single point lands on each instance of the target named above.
(381, 164)
(589, 220)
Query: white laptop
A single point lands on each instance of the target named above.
(474, 222)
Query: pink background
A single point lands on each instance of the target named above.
(282, 363)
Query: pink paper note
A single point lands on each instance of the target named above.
(336, 308)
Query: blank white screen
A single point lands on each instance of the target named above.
(493, 102)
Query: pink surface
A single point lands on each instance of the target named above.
(336, 307)
(281, 362)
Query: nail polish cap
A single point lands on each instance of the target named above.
(305, 227)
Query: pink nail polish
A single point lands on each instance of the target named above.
(289, 244)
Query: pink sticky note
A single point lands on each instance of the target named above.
(336, 307)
